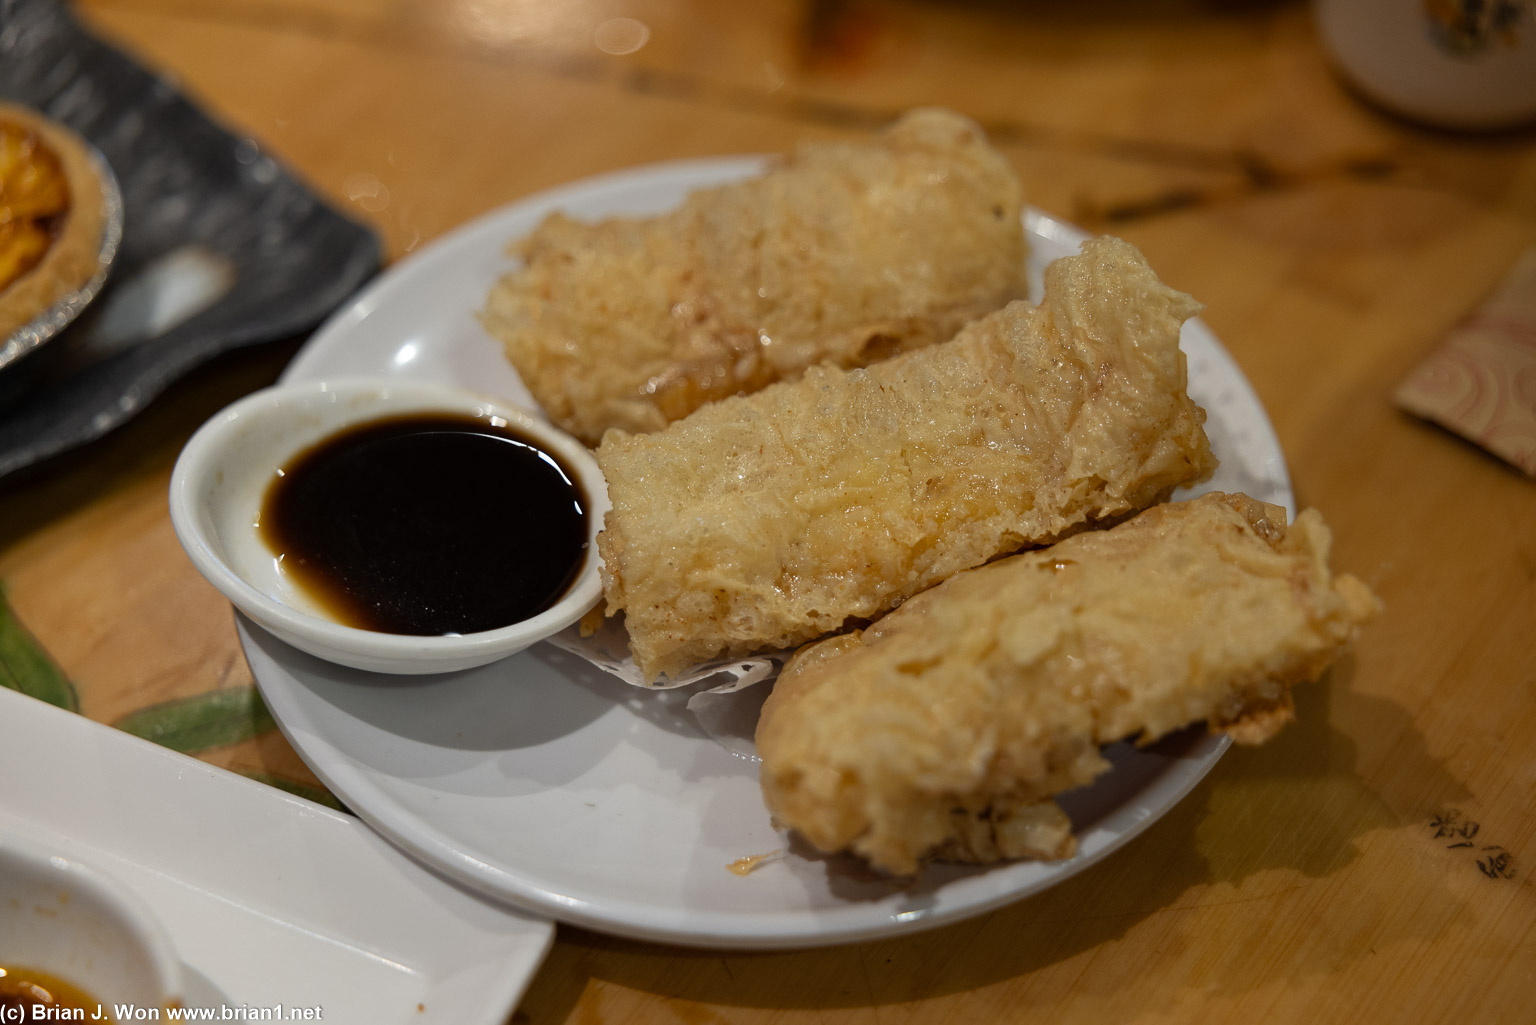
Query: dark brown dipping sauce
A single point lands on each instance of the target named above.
(428, 524)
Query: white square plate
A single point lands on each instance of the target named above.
(269, 899)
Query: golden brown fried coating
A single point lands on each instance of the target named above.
(842, 254)
(766, 520)
(945, 728)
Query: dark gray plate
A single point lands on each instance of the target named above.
(222, 247)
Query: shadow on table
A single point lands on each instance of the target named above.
(1301, 801)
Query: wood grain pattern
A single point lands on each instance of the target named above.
(1333, 245)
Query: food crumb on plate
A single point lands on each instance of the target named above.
(745, 866)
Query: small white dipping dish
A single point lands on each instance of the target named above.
(66, 919)
(222, 476)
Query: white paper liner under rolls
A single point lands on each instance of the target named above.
(729, 723)
(608, 650)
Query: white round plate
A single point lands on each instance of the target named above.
(541, 781)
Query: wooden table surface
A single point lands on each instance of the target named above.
(1318, 878)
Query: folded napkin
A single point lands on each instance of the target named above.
(1481, 381)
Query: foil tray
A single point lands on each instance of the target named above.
(221, 247)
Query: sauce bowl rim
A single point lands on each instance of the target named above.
(208, 451)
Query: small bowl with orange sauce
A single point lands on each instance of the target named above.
(71, 937)
(392, 526)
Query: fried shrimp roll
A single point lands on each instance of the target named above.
(841, 254)
(945, 729)
(767, 520)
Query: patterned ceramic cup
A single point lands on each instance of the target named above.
(1467, 64)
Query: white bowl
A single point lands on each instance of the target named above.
(221, 478)
(66, 919)
(1443, 64)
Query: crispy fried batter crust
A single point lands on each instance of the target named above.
(934, 730)
(842, 254)
(767, 520)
